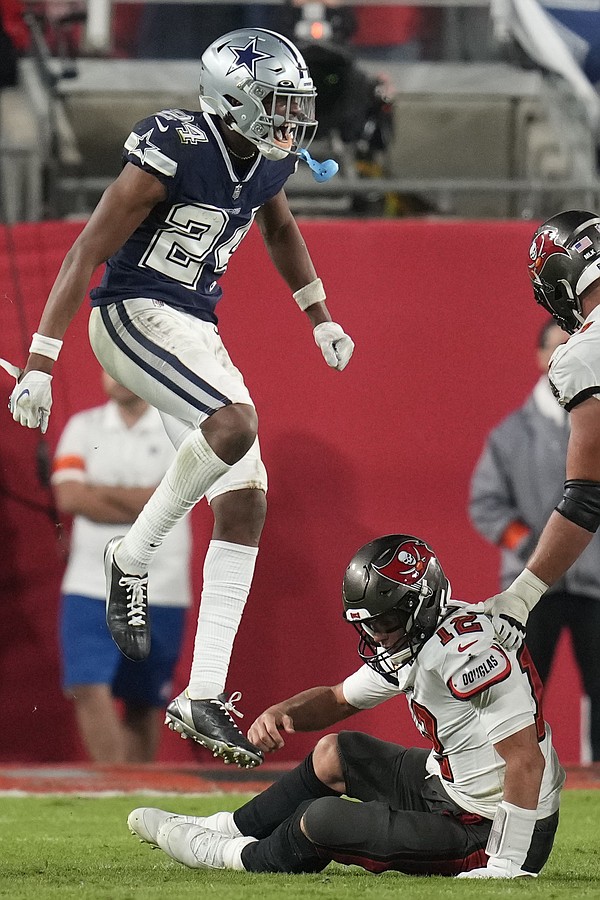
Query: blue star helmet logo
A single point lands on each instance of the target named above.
(247, 57)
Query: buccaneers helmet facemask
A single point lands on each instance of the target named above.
(394, 593)
(258, 83)
(564, 261)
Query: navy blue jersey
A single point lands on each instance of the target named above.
(182, 248)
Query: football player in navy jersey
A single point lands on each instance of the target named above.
(564, 266)
(191, 186)
(483, 802)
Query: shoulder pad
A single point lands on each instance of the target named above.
(464, 653)
(574, 370)
(480, 672)
(147, 149)
(460, 635)
(186, 126)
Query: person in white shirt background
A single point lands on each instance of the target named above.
(107, 464)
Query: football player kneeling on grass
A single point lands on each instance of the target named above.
(483, 803)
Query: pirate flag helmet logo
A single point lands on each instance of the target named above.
(408, 564)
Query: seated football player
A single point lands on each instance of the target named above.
(483, 802)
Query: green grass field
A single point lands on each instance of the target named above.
(70, 846)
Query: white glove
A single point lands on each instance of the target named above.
(31, 400)
(498, 868)
(509, 631)
(510, 610)
(336, 346)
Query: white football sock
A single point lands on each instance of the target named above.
(228, 571)
(221, 822)
(232, 852)
(195, 467)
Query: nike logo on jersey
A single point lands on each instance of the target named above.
(160, 125)
(463, 647)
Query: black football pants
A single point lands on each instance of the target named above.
(405, 822)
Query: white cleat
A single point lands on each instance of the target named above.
(201, 848)
(145, 821)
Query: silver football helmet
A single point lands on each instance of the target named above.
(258, 83)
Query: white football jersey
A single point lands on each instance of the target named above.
(465, 694)
(97, 447)
(574, 370)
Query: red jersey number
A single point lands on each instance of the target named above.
(461, 625)
(428, 727)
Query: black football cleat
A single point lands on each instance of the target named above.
(127, 612)
(209, 722)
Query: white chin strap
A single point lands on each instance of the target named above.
(270, 151)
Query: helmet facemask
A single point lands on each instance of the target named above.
(285, 120)
(405, 620)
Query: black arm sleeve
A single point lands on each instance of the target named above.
(581, 503)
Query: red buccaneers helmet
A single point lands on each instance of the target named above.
(564, 260)
(394, 584)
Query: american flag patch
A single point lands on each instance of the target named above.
(582, 245)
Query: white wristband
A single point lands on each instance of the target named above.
(512, 830)
(528, 588)
(45, 346)
(309, 294)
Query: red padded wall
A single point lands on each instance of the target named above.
(444, 325)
